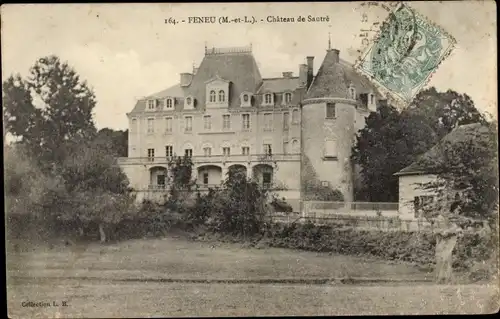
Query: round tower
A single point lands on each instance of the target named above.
(328, 132)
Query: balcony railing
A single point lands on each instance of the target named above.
(254, 158)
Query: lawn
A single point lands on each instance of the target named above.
(178, 258)
(92, 280)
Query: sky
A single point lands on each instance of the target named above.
(126, 51)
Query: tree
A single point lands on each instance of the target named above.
(444, 111)
(389, 142)
(115, 141)
(48, 109)
(467, 167)
(97, 191)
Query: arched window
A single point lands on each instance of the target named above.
(352, 93)
(212, 96)
(268, 98)
(288, 97)
(222, 96)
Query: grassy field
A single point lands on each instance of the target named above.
(88, 279)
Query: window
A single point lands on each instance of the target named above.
(188, 124)
(170, 103)
(246, 99)
(268, 122)
(207, 122)
(268, 98)
(268, 150)
(151, 104)
(295, 116)
(288, 97)
(286, 119)
(205, 178)
(421, 205)
(372, 99)
(151, 125)
(207, 151)
(246, 121)
(134, 125)
(226, 122)
(330, 148)
(285, 147)
(330, 110)
(245, 150)
(151, 154)
(168, 124)
(226, 151)
(169, 151)
(222, 96)
(266, 179)
(189, 100)
(160, 180)
(212, 96)
(188, 152)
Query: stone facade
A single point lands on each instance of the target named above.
(288, 132)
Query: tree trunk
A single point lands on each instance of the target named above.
(102, 233)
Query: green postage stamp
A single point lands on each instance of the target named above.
(405, 53)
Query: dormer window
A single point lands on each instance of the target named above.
(169, 103)
(212, 96)
(217, 92)
(246, 99)
(268, 99)
(189, 103)
(151, 104)
(222, 96)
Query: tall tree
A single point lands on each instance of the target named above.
(389, 142)
(49, 109)
(445, 110)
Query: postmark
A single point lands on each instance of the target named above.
(405, 53)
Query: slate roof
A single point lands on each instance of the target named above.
(334, 77)
(460, 134)
(278, 85)
(240, 68)
(173, 91)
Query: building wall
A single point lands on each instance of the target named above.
(140, 140)
(408, 189)
(315, 130)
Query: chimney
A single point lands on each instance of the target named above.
(195, 70)
(186, 79)
(336, 54)
(302, 75)
(287, 74)
(310, 70)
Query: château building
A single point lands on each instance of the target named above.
(291, 133)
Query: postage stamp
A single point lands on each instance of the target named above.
(405, 53)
